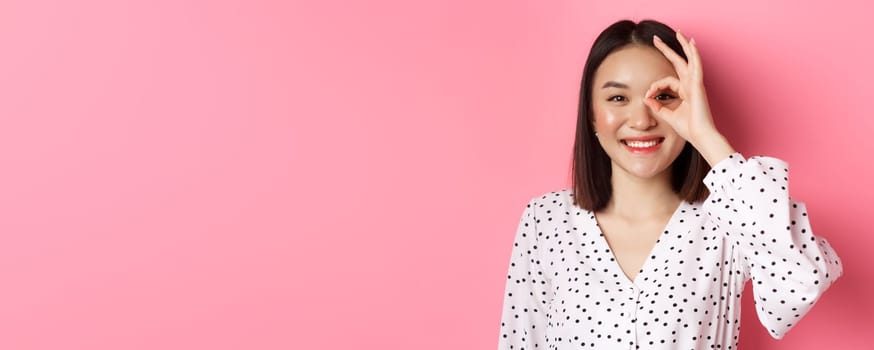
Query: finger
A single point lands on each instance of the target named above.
(695, 59)
(676, 60)
(687, 49)
(658, 109)
(666, 83)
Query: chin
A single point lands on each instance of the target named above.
(645, 169)
(649, 173)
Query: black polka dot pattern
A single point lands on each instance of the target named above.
(565, 289)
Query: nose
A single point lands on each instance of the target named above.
(641, 118)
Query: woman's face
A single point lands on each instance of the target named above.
(638, 143)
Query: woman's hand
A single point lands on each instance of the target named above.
(691, 119)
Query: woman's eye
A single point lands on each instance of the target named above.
(664, 97)
(617, 98)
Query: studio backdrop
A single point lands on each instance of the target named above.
(349, 174)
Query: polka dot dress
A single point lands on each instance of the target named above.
(565, 289)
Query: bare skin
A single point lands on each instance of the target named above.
(659, 95)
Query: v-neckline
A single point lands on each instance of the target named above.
(645, 267)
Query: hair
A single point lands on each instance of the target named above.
(591, 168)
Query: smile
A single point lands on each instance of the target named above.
(643, 145)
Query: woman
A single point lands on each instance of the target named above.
(665, 222)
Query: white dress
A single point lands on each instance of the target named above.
(565, 290)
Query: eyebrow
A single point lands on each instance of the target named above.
(614, 84)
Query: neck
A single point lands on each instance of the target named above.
(640, 199)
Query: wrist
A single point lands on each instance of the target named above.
(713, 146)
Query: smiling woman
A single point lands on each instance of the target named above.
(665, 222)
(645, 147)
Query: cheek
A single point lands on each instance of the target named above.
(679, 147)
(605, 117)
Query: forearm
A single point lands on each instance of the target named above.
(713, 146)
(790, 266)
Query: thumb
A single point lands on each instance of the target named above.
(665, 84)
(657, 108)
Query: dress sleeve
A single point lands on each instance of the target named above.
(528, 292)
(790, 266)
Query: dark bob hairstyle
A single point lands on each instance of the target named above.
(591, 169)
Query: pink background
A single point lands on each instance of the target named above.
(349, 175)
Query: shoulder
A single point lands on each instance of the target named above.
(559, 199)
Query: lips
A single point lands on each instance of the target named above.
(642, 144)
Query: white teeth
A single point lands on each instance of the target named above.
(641, 144)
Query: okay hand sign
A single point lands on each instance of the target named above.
(691, 119)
